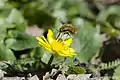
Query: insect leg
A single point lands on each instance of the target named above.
(70, 35)
(58, 35)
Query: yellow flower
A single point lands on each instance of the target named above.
(56, 46)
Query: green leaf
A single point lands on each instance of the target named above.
(3, 28)
(75, 70)
(6, 53)
(16, 18)
(46, 57)
(37, 52)
(9, 42)
(38, 16)
(23, 41)
(69, 61)
(89, 40)
(106, 13)
(116, 75)
(85, 11)
(58, 60)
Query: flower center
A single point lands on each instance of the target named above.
(58, 45)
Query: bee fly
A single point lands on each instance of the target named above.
(67, 29)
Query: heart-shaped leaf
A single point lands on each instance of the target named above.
(89, 41)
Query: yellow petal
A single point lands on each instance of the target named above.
(64, 54)
(68, 41)
(49, 49)
(45, 39)
(61, 53)
(40, 41)
(50, 36)
(38, 38)
(72, 50)
(73, 54)
(43, 42)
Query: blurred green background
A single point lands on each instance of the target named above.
(22, 20)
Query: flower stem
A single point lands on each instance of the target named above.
(51, 59)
